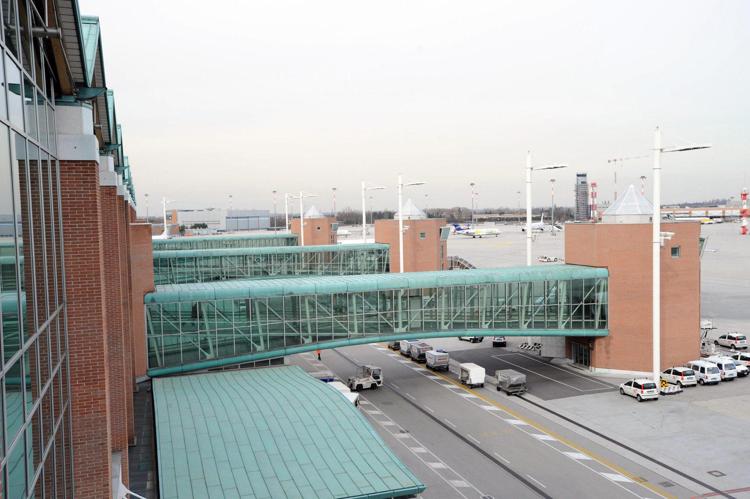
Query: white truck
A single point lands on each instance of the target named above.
(418, 351)
(341, 387)
(367, 377)
(471, 375)
(436, 360)
(405, 347)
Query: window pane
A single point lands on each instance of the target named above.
(15, 100)
(30, 107)
(3, 110)
(9, 26)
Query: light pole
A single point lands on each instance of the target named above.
(164, 202)
(643, 185)
(519, 207)
(401, 186)
(287, 197)
(366, 188)
(472, 184)
(657, 238)
(275, 228)
(334, 203)
(552, 222)
(301, 197)
(529, 169)
(230, 202)
(146, 194)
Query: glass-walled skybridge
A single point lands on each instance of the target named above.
(194, 266)
(226, 241)
(200, 326)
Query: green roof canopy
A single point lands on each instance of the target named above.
(269, 433)
(226, 290)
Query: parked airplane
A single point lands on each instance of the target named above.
(474, 232)
(536, 226)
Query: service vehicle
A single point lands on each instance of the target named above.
(394, 345)
(341, 387)
(732, 340)
(706, 372)
(404, 347)
(681, 376)
(437, 360)
(741, 358)
(418, 351)
(471, 375)
(499, 341)
(726, 366)
(471, 339)
(324, 376)
(367, 377)
(640, 388)
(510, 381)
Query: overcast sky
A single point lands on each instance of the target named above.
(243, 97)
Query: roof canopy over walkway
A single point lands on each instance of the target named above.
(208, 265)
(226, 241)
(199, 326)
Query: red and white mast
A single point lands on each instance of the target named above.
(594, 211)
(744, 212)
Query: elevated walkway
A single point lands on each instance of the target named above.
(199, 326)
(208, 265)
(226, 241)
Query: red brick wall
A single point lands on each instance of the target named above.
(115, 308)
(318, 231)
(142, 265)
(89, 359)
(420, 255)
(625, 249)
(127, 291)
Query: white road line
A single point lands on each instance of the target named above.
(411, 396)
(544, 436)
(468, 395)
(470, 437)
(394, 385)
(437, 465)
(547, 377)
(458, 483)
(616, 477)
(567, 371)
(373, 411)
(516, 422)
(489, 407)
(432, 411)
(577, 455)
(448, 422)
(536, 481)
(387, 423)
(418, 450)
(501, 458)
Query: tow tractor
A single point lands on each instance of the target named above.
(367, 377)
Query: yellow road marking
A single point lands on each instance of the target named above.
(569, 443)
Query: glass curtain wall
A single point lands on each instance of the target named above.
(182, 267)
(35, 431)
(218, 242)
(191, 331)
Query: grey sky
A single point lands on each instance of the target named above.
(243, 97)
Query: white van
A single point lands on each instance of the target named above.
(706, 372)
(726, 366)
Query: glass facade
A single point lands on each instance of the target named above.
(181, 267)
(189, 331)
(218, 242)
(35, 431)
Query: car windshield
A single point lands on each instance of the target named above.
(649, 386)
(740, 338)
(713, 370)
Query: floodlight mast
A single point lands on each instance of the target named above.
(401, 186)
(365, 188)
(529, 169)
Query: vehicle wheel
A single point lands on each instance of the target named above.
(731, 347)
(700, 381)
(374, 386)
(358, 388)
(622, 392)
(679, 383)
(638, 398)
(716, 342)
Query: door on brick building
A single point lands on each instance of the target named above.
(581, 354)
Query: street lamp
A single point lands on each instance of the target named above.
(472, 184)
(287, 197)
(230, 202)
(164, 202)
(529, 169)
(401, 186)
(519, 207)
(552, 183)
(643, 185)
(334, 202)
(302, 195)
(366, 188)
(275, 228)
(657, 239)
(146, 194)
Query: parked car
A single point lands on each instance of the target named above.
(640, 388)
(471, 339)
(732, 340)
(681, 376)
(394, 345)
(741, 358)
(499, 341)
(726, 367)
(706, 372)
(740, 367)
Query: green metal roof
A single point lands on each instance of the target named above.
(239, 289)
(226, 237)
(276, 250)
(90, 33)
(269, 433)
